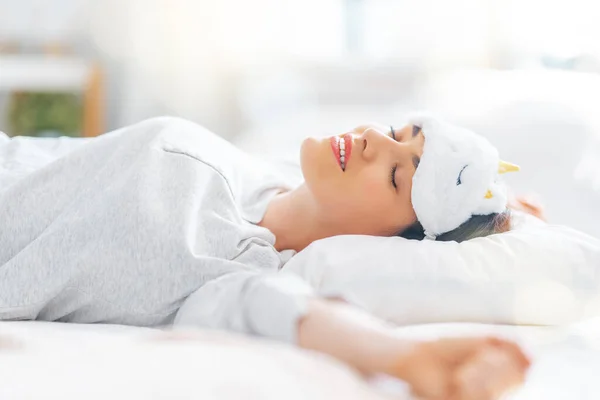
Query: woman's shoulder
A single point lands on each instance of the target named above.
(181, 134)
(173, 135)
(158, 127)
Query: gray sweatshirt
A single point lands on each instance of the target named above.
(150, 225)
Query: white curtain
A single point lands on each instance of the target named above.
(187, 57)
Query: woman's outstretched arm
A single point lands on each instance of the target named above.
(282, 306)
(457, 369)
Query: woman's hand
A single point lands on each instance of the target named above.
(446, 369)
(527, 204)
(463, 369)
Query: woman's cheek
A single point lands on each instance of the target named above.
(373, 189)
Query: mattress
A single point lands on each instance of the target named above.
(41, 360)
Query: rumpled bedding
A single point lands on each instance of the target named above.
(22, 155)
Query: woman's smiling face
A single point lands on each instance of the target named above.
(361, 181)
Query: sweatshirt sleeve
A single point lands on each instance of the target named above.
(249, 302)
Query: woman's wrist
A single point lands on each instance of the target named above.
(354, 337)
(395, 355)
(437, 369)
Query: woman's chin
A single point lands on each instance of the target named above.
(309, 155)
(310, 145)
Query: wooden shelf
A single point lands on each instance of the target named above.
(42, 73)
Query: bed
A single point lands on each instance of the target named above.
(42, 360)
(68, 361)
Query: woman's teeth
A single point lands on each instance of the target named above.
(343, 153)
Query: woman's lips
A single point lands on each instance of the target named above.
(342, 149)
(348, 141)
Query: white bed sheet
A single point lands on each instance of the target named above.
(66, 361)
(40, 360)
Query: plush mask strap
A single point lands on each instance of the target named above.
(429, 236)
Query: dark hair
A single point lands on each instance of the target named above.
(476, 226)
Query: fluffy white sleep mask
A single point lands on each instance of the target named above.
(458, 177)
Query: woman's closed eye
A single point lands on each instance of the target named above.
(395, 167)
(393, 176)
(416, 129)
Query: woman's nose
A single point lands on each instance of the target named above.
(370, 142)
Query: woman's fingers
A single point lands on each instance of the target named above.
(529, 205)
(455, 350)
(489, 374)
(432, 365)
(517, 352)
(464, 369)
(428, 376)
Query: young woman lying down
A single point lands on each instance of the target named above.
(165, 223)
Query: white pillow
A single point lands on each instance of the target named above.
(536, 274)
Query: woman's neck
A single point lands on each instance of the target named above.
(292, 218)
